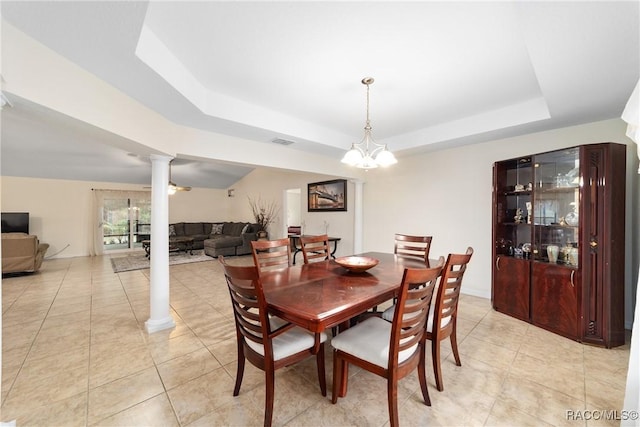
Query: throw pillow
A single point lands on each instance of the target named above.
(245, 228)
(172, 230)
(216, 228)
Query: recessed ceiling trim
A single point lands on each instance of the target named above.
(153, 52)
(525, 112)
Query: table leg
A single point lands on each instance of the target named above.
(335, 248)
(295, 253)
(147, 249)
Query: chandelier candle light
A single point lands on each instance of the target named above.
(367, 154)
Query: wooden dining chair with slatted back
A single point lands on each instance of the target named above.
(412, 246)
(443, 320)
(268, 343)
(315, 248)
(390, 350)
(269, 254)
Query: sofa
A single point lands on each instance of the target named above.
(22, 253)
(218, 238)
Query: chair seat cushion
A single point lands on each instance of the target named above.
(370, 341)
(389, 312)
(291, 342)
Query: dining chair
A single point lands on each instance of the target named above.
(315, 247)
(269, 343)
(444, 319)
(390, 350)
(407, 246)
(445, 311)
(271, 253)
(411, 247)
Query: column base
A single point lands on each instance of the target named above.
(159, 325)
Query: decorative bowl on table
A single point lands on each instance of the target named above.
(357, 264)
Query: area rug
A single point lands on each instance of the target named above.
(139, 261)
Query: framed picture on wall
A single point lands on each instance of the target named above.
(327, 196)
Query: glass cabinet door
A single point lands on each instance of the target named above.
(556, 207)
(513, 219)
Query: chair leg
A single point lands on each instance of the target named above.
(321, 374)
(437, 370)
(337, 374)
(269, 395)
(392, 396)
(422, 376)
(454, 345)
(239, 370)
(344, 377)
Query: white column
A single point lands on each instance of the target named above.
(160, 318)
(358, 217)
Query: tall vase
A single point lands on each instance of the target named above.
(552, 252)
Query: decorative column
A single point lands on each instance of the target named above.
(160, 317)
(358, 235)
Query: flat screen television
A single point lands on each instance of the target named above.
(15, 222)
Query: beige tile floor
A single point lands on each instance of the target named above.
(75, 353)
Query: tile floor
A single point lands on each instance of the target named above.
(75, 353)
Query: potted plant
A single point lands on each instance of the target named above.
(264, 213)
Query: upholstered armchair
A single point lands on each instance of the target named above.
(22, 253)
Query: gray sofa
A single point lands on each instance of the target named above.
(217, 238)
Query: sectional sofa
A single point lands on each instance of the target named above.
(218, 238)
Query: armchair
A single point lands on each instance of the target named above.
(22, 253)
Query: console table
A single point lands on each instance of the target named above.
(297, 247)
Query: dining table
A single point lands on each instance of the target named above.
(320, 295)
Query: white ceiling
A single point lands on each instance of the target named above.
(446, 73)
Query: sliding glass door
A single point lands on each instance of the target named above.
(126, 222)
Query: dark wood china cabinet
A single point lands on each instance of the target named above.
(558, 233)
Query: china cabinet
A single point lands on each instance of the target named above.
(558, 232)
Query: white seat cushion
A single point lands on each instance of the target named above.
(293, 341)
(370, 341)
(389, 312)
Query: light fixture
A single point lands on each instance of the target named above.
(367, 154)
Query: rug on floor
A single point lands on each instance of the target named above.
(139, 261)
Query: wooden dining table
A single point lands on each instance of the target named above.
(318, 296)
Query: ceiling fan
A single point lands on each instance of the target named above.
(172, 185)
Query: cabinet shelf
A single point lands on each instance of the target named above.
(574, 227)
(558, 189)
(517, 193)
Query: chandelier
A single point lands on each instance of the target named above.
(367, 154)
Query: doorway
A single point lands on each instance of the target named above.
(293, 206)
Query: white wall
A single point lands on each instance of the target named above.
(60, 211)
(448, 193)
